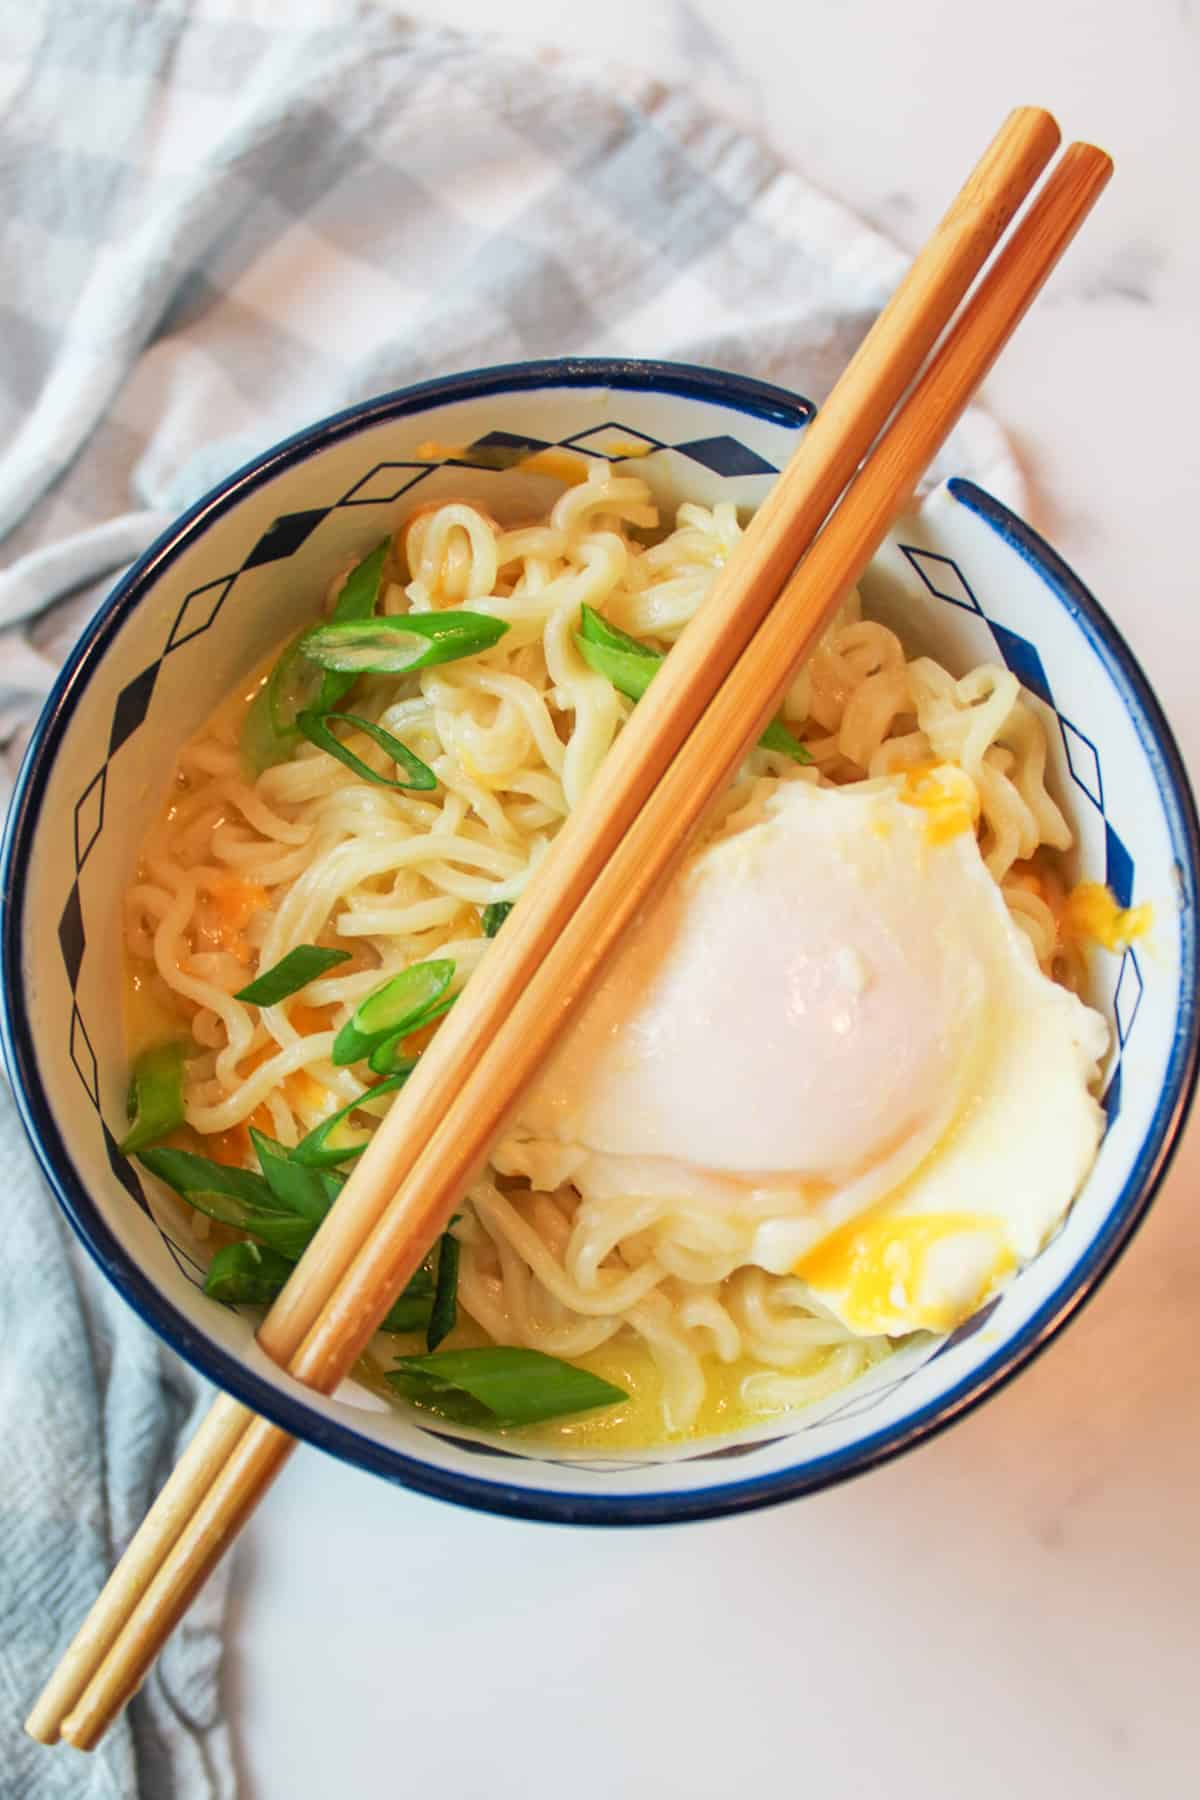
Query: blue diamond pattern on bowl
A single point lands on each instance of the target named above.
(386, 482)
(1083, 760)
(284, 536)
(1128, 997)
(513, 445)
(71, 939)
(1021, 657)
(1118, 867)
(89, 817)
(612, 442)
(942, 577)
(725, 456)
(381, 485)
(199, 610)
(1110, 1100)
(84, 1057)
(133, 703)
(124, 1170)
(858, 1404)
(184, 1261)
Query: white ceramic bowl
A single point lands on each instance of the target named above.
(965, 579)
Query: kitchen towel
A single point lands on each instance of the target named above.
(219, 225)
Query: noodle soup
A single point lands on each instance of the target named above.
(786, 1134)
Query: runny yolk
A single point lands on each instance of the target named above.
(876, 1267)
(950, 806)
(1090, 913)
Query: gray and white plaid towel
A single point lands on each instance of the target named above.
(215, 232)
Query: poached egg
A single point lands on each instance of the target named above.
(828, 1032)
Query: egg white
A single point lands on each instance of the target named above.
(828, 1035)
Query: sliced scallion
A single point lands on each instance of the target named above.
(411, 1312)
(155, 1097)
(307, 1192)
(235, 1197)
(357, 600)
(247, 1275)
(291, 973)
(295, 685)
(388, 1058)
(631, 666)
(315, 727)
(444, 1311)
(397, 644)
(399, 1006)
(499, 1385)
(322, 1149)
(494, 916)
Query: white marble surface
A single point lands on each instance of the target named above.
(1015, 1608)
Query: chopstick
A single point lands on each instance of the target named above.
(830, 449)
(719, 742)
(246, 1464)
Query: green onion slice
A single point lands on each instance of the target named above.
(234, 1197)
(246, 1275)
(444, 1311)
(395, 645)
(412, 1310)
(494, 916)
(323, 1148)
(400, 1006)
(360, 590)
(291, 973)
(357, 600)
(307, 1192)
(155, 1097)
(315, 727)
(499, 1385)
(385, 1059)
(249, 1275)
(596, 629)
(270, 733)
(631, 666)
(631, 675)
(295, 685)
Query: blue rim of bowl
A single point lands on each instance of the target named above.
(294, 1413)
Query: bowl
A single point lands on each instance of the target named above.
(216, 592)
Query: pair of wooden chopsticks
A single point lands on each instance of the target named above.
(715, 693)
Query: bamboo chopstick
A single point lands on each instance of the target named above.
(719, 742)
(781, 530)
(711, 753)
(252, 1462)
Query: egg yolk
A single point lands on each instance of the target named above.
(878, 1266)
(1091, 914)
(946, 797)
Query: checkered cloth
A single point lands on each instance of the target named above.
(215, 231)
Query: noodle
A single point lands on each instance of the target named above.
(236, 874)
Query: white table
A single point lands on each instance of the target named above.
(1015, 1608)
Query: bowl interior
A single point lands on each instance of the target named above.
(962, 580)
